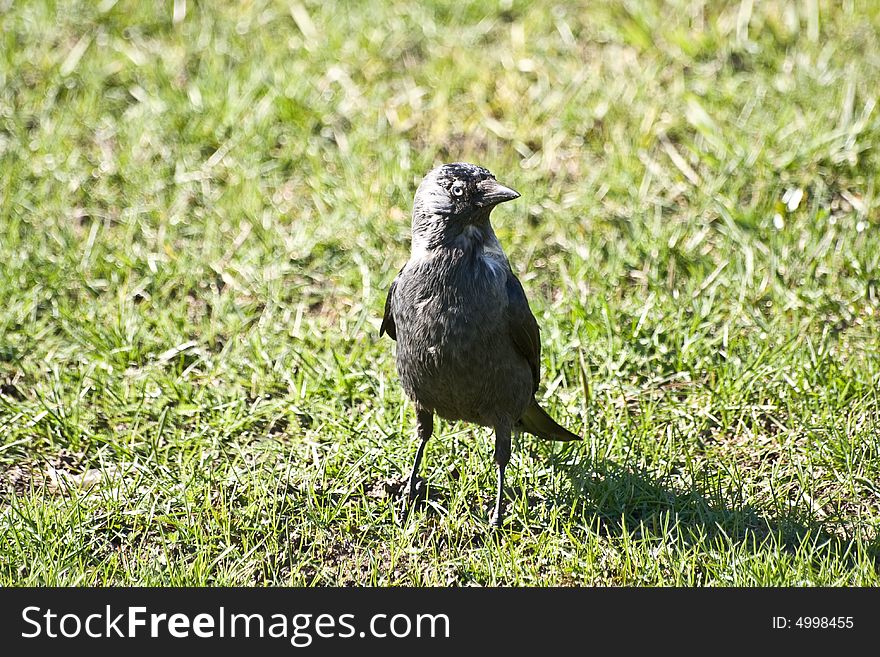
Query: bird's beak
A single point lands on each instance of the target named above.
(491, 193)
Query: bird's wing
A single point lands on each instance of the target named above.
(388, 325)
(523, 327)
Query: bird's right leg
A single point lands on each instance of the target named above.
(502, 458)
(424, 428)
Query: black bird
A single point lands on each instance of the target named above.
(468, 346)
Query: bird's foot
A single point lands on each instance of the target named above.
(402, 512)
(416, 490)
(496, 520)
(411, 494)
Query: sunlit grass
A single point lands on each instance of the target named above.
(201, 212)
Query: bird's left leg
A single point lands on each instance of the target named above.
(424, 428)
(502, 457)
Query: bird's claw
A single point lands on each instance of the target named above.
(411, 495)
(496, 520)
(415, 490)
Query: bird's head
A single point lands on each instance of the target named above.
(453, 197)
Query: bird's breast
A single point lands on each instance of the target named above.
(452, 292)
(454, 351)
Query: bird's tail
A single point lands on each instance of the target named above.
(536, 421)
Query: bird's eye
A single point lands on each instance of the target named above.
(458, 189)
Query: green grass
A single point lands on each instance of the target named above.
(201, 212)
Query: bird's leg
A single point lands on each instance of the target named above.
(502, 457)
(424, 428)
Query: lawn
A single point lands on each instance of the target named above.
(202, 206)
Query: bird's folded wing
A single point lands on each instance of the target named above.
(523, 327)
(388, 325)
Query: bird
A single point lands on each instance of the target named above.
(468, 346)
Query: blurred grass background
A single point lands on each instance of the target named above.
(202, 205)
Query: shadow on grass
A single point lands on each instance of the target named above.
(615, 499)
